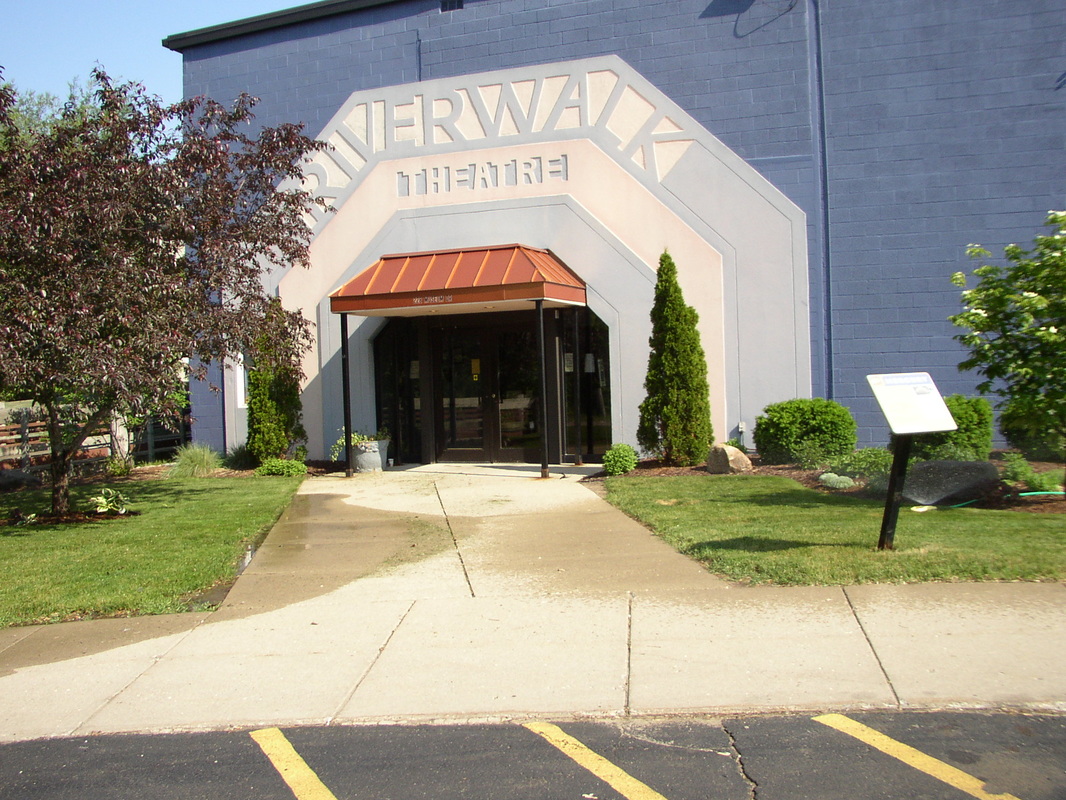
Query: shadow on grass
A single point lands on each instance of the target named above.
(754, 544)
(798, 498)
(154, 491)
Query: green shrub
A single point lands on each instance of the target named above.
(807, 426)
(1016, 469)
(274, 411)
(739, 445)
(1023, 431)
(1044, 482)
(869, 462)
(951, 451)
(675, 417)
(810, 455)
(281, 466)
(620, 459)
(972, 441)
(118, 466)
(834, 481)
(194, 461)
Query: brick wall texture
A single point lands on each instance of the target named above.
(905, 129)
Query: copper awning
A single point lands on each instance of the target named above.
(466, 281)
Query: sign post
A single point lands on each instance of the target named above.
(912, 404)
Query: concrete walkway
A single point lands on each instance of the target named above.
(480, 593)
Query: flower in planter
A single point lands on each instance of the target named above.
(362, 442)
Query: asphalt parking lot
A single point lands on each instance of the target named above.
(915, 755)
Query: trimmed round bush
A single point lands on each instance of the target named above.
(972, 441)
(620, 459)
(281, 466)
(816, 428)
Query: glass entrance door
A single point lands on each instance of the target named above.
(465, 395)
(518, 408)
(489, 390)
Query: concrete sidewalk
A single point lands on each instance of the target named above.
(484, 593)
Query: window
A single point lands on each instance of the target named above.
(450, 5)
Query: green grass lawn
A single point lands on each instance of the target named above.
(772, 530)
(189, 535)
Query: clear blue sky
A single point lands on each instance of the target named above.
(44, 44)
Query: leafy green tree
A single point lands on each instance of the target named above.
(36, 113)
(1015, 328)
(675, 417)
(133, 236)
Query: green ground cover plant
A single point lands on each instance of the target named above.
(281, 466)
(768, 529)
(180, 537)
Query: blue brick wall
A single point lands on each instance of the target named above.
(943, 127)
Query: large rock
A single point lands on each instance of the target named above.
(724, 459)
(945, 482)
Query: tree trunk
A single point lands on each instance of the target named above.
(63, 452)
(59, 463)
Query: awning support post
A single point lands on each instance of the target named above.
(543, 391)
(578, 377)
(349, 469)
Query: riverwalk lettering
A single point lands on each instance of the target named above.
(590, 100)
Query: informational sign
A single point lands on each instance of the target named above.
(911, 403)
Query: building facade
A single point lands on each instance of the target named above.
(816, 170)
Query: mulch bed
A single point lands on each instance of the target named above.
(17, 518)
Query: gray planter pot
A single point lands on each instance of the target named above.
(370, 456)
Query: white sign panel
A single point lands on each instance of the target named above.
(911, 403)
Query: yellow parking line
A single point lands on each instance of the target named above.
(908, 755)
(293, 769)
(617, 778)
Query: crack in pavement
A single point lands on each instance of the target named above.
(455, 542)
(627, 708)
(738, 759)
(870, 644)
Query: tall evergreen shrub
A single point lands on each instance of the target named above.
(274, 411)
(675, 417)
